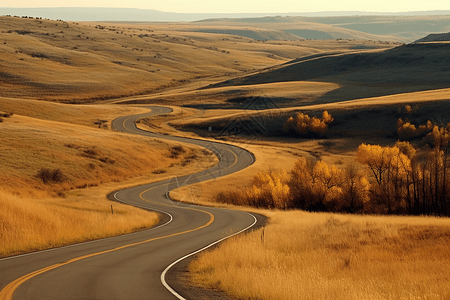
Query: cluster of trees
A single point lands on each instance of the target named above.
(395, 180)
(311, 185)
(408, 131)
(303, 124)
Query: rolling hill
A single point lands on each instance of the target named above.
(85, 62)
(437, 37)
(408, 68)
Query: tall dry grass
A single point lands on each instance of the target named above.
(29, 224)
(323, 256)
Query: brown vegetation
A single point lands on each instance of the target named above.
(88, 62)
(408, 131)
(30, 224)
(59, 157)
(302, 255)
(303, 124)
(399, 180)
(45, 163)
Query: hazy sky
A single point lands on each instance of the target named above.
(247, 6)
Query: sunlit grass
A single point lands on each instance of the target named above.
(28, 224)
(323, 256)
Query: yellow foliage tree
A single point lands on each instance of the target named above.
(303, 124)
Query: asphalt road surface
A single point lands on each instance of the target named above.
(132, 266)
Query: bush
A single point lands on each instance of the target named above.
(51, 176)
(176, 150)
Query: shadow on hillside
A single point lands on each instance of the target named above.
(409, 68)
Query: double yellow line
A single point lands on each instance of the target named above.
(8, 291)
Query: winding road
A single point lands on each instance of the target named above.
(133, 266)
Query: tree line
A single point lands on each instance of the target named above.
(382, 180)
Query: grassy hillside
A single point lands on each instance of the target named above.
(29, 225)
(367, 118)
(85, 156)
(303, 255)
(286, 28)
(406, 68)
(87, 115)
(62, 61)
(437, 37)
(408, 28)
(85, 62)
(52, 156)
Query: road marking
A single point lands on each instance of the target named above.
(163, 274)
(8, 291)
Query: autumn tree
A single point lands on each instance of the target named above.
(355, 190)
(303, 124)
(389, 168)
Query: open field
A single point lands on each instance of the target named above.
(328, 256)
(408, 68)
(431, 105)
(51, 162)
(86, 115)
(409, 28)
(84, 156)
(85, 62)
(58, 160)
(279, 28)
(28, 225)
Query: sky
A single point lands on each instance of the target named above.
(247, 6)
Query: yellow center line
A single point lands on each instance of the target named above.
(8, 291)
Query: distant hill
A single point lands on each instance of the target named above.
(149, 15)
(285, 28)
(409, 28)
(438, 37)
(404, 28)
(409, 68)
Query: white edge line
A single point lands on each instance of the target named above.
(98, 240)
(163, 274)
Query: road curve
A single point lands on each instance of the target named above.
(131, 266)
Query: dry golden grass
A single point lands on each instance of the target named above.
(74, 114)
(367, 120)
(279, 28)
(80, 62)
(29, 224)
(92, 160)
(283, 94)
(323, 256)
(86, 156)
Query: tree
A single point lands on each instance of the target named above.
(303, 124)
(355, 190)
(389, 167)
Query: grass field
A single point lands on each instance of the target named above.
(28, 224)
(90, 163)
(85, 62)
(210, 80)
(303, 255)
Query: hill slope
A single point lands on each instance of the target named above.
(85, 62)
(437, 37)
(407, 68)
(290, 28)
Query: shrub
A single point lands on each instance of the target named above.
(175, 151)
(51, 176)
